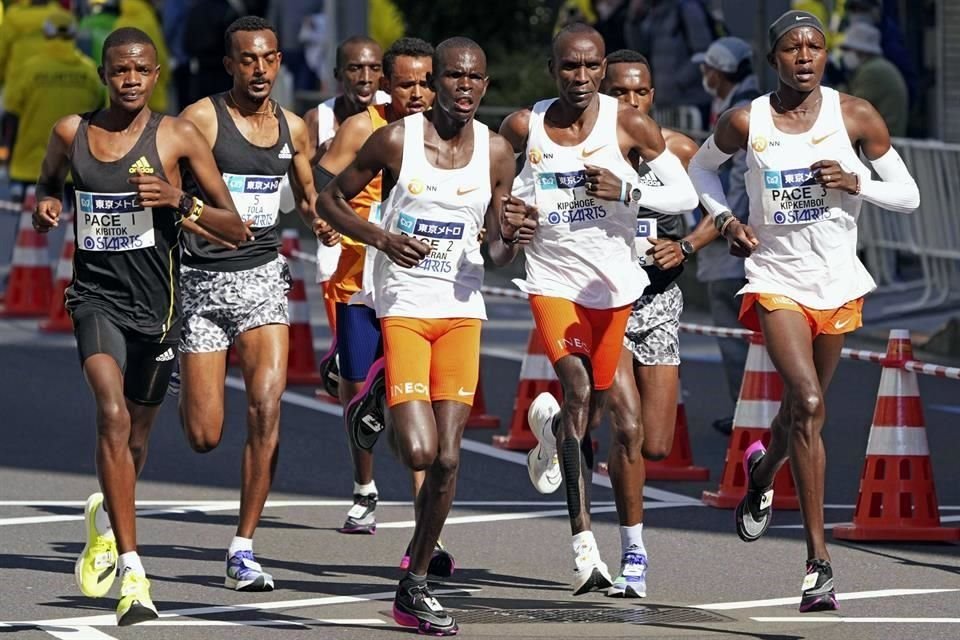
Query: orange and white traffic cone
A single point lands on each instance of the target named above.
(759, 402)
(30, 284)
(301, 361)
(58, 320)
(678, 465)
(479, 418)
(536, 376)
(898, 499)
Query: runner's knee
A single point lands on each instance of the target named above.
(627, 431)
(113, 420)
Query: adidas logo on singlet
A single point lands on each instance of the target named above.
(285, 152)
(141, 166)
(166, 356)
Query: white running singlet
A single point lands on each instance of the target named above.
(583, 249)
(446, 209)
(807, 233)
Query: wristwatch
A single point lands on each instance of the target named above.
(686, 248)
(634, 195)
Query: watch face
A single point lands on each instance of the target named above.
(635, 195)
(686, 247)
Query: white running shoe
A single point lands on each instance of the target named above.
(542, 463)
(590, 574)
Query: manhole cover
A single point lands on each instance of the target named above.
(638, 615)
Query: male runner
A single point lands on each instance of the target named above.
(406, 66)
(643, 398)
(125, 296)
(427, 275)
(583, 274)
(239, 296)
(805, 284)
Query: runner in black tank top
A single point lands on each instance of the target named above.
(238, 296)
(124, 300)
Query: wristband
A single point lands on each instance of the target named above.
(857, 190)
(624, 189)
(196, 210)
(511, 241)
(720, 221)
(726, 224)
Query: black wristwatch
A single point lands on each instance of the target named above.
(686, 248)
(633, 196)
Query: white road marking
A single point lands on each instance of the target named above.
(78, 633)
(792, 619)
(852, 595)
(304, 622)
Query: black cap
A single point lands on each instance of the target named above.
(792, 20)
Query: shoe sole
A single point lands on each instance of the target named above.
(369, 392)
(257, 586)
(596, 582)
(365, 530)
(88, 516)
(825, 602)
(423, 627)
(626, 591)
(136, 614)
(533, 454)
(742, 508)
(331, 386)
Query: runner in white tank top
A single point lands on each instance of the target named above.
(427, 278)
(805, 283)
(582, 268)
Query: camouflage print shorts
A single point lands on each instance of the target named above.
(220, 305)
(653, 328)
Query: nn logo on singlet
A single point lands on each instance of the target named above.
(141, 166)
(430, 228)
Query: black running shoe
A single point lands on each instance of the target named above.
(365, 415)
(755, 510)
(442, 564)
(330, 371)
(362, 515)
(817, 592)
(415, 607)
(724, 425)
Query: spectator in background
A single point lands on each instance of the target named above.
(385, 22)
(727, 75)
(55, 82)
(611, 18)
(96, 25)
(885, 17)
(290, 16)
(668, 34)
(173, 21)
(139, 14)
(205, 23)
(21, 34)
(873, 77)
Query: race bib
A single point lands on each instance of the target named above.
(646, 228)
(793, 197)
(113, 222)
(563, 200)
(257, 198)
(447, 242)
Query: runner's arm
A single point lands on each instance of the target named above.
(729, 137)
(301, 182)
(312, 120)
(509, 222)
(53, 172)
(346, 143)
(677, 194)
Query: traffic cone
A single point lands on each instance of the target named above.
(301, 361)
(759, 402)
(58, 320)
(678, 465)
(536, 376)
(479, 418)
(898, 499)
(30, 284)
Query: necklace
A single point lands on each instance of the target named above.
(263, 112)
(806, 109)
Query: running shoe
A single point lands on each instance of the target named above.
(442, 563)
(173, 386)
(244, 573)
(415, 607)
(135, 604)
(590, 572)
(330, 370)
(632, 580)
(755, 510)
(817, 592)
(365, 415)
(96, 567)
(361, 517)
(724, 425)
(542, 463)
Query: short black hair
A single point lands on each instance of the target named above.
(342, 48)
(125, 36)
(412, 47)
(456, 42)
(629, 56)
(575, 28)
(246, 23)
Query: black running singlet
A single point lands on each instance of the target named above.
(127, 261)
(667, 226)
(252, 175)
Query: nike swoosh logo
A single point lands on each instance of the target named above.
(800, 17)
(464, 394)
(462, 192)
(822, 138)
(586, 154)
(841, 325)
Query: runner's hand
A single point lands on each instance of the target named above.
(603, 184)
(47, 214)
(831, 175)
(329, 236)
(405, 251)
(155, 191)
(666, 253)
(741, 239)
(518, 219)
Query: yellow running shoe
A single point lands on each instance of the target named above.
(135, 604)
(96, 567)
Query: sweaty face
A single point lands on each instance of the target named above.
(578, 67)
(630, 83)
(408, 87)
(130, 72)
(461, 83)
(800, 58)
(361, 72)
(253, 62)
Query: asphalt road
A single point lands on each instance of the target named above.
(511, 543)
